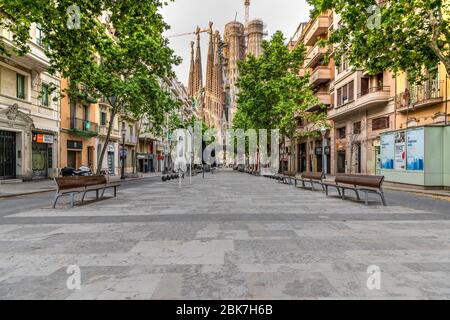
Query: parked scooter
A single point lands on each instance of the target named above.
(81, 172)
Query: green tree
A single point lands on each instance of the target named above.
(272, 94)
(121, 60)
(396, 35)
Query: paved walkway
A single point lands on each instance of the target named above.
(230, 236)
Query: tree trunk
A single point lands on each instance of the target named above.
(108, 135)
(138, 133)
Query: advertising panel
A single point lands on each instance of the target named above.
(387, 151)
(400, 151)
(416, 149)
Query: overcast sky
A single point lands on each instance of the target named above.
(184, 16)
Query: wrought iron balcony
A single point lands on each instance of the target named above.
(420, 96)
(82, 126)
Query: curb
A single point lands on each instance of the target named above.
(5, 196)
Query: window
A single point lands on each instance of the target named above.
(357, 127)
(20, 86)
(380, 123)
(103, 119)
(345, 94)
(341, 133)
(44, 95)
(39, 35)
(344, 64)
(131, 130)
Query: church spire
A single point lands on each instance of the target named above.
(191, 73)
(198, 80)
(210, 61)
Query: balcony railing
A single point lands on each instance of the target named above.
(83, 125)
(314, 56)
(427, 94)
(374, 89)
(370, 98)
(131, 139)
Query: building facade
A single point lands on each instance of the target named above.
(29, 113)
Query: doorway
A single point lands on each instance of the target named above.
(302, 158)
(341, 162)
(72, 159)
(7, 155)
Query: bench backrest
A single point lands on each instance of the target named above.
(66, 183)
(289, 173)
(360, 180)
(312, 175)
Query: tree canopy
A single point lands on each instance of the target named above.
(395, 35)
(121, 57)
(272, 94)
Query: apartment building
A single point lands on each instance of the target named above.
(306, 154)
(29, 112)
(363, 107)
(79, 132)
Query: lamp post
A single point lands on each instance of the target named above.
(124, 132)
(323, 131)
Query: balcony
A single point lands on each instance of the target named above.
(131, 139)
(318, 28)
(324, 98)
(421, 96)
(315, 56)
(320, 74)
(83, 127)
(35, 58)
(373, 97)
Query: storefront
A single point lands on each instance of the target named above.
(42, 154)
(417, 156)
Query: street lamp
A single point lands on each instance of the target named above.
(323, 131)
(124, 132)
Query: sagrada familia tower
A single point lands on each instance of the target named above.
(216, 98)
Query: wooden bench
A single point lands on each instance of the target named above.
(287, 177)
(70, 186)
(311, 178)
(358, 183)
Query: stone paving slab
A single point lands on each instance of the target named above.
(230, 236)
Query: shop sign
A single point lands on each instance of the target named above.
(123, 153)
(327, 150)
(142, 156)
(43, 138)
(318, 151)
(110, 148)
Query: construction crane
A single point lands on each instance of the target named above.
(197, 31)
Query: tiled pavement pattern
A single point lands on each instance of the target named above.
(230, 236)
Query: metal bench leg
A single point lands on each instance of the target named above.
(96, 194)
(367, 198)
(56, 200)
(383, 198)
(115, 192)
(343, 193)
(312, 186)
(295, 183)
(103, 192)
(326, 190)
(72, 199)
(82, 198)
(357, 195)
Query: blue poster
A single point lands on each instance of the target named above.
(416, 150)
(387, 151)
